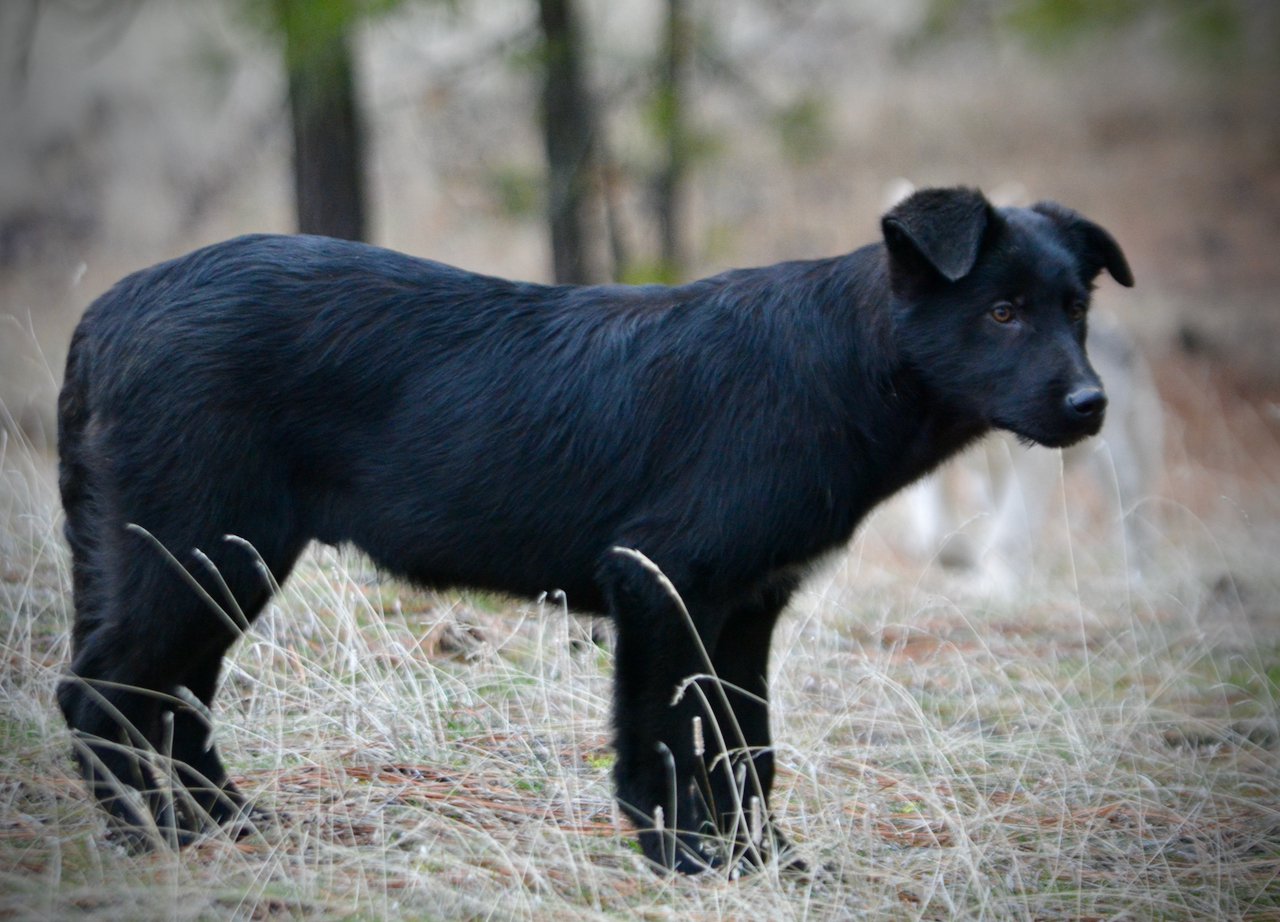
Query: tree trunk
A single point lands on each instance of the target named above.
(567, 133)
(672, 92)
(328, 161)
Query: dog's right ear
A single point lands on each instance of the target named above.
(938, 231)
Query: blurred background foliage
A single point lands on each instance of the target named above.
(1219, 32)
(553, 45)
(632, 140)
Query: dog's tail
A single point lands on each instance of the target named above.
(76, 484)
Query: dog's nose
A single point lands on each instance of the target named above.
(1088, 402)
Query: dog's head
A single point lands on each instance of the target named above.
(991, 307)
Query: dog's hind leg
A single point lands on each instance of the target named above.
(123, 672)
(209, 797)
(158, 646)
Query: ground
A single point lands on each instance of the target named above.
(1092, 747)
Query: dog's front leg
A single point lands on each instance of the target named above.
(738, 751)
(655, 705)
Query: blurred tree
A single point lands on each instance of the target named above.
(691, 44)
(672, 91)
(328, 140)
(568, 134)
(19, 19)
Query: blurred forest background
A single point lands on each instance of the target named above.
(1097, 743)
(588, 140)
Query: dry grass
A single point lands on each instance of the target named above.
(1096, 748)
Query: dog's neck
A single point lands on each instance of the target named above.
(930, 432)
(924, 430)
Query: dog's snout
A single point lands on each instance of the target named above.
(1087, 402)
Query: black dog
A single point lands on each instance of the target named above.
(466, 430)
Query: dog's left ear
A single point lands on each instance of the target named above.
(938, 228)
(1096, 248)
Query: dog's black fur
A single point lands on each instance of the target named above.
(470, 431)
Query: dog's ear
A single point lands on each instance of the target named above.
(1096, 248)
(940, 228)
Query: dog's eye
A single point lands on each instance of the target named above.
(1077, 310)
(1002, 312)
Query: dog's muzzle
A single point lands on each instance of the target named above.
(1088, 403)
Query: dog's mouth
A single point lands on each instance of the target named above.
(1056, 437)
(1062, 441)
